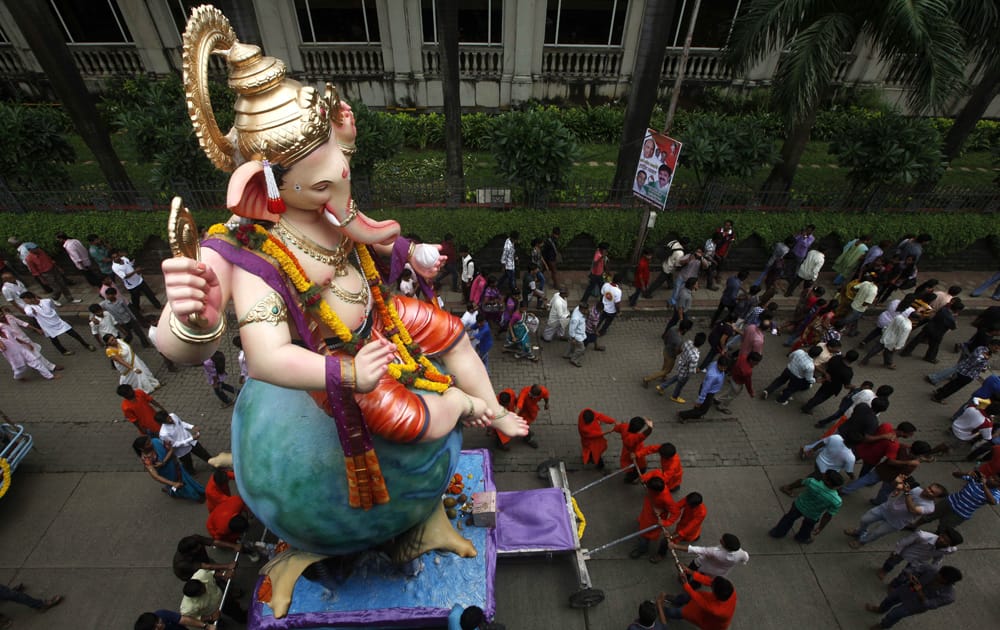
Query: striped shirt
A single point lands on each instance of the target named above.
(966, 501)
(687, 361)
(919, 548)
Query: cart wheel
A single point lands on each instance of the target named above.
(543, 468)
(586, 598)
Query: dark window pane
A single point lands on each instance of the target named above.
(372, 14)
(586, 22)
(92, 21)
(427, 18)
(180, 10)
(710, 31)
(551, 15)
(496, 26)
(618, 23)
(335, 21)
(473, 21)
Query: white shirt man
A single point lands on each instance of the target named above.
(48, 319)
(177, 433)
(469, 317)
(813, 262)
(125, 269)
(558, 317)
(611, 296)
(12, 290)
(468, 269)
(507, 256)
(719, 560)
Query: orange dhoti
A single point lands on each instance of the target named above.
(392, 410)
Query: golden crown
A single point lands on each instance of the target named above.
(277, 118)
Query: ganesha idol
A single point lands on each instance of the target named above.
(348, 428)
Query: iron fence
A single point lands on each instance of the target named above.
(396, 193)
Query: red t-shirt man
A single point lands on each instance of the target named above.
(704, 609)
(139, 411)
(592, 440)
(218, 520)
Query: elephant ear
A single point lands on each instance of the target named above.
(247, 192)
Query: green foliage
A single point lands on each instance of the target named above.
(733, 101)
(594, 124)
(380, 137)
(421, 130)
(34, 148)
(427, 169)
(719, 146)
(533, 150)
(152, 116)
(889, 149)
(477, 130)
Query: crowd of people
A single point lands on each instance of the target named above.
(870, 277)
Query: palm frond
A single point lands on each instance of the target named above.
(807, 68)
(765, 26)
(980, 22)
(923, 45)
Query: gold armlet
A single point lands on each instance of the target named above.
(191, 335)
(270, 309)
(409, 252)
(347, 149)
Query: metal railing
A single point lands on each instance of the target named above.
(474, 61)
(396, 193)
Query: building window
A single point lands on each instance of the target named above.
(479, 21)
(585, 22)
(713, 26)
(91, 21)
(353, 21)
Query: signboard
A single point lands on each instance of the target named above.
(656, 168)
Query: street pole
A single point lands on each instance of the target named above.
(674, 95)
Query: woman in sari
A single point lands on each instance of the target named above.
(133, 370)
(162, 467)
(491, 304)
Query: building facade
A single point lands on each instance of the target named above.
(385, 53)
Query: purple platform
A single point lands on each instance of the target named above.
(533, 521)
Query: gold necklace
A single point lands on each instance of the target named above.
(336, 258)
(351, 297)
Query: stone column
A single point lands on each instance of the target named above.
(525, 46)
(280, 37)
(630, 44)
(148, 39)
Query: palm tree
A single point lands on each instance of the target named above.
(447, 24)
(642, 96)
(980, 19)
(34, 19)
(921, 42)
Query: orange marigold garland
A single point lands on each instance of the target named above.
(416, 370)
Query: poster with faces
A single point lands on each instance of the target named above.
(656, 168)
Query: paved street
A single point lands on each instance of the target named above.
(84, 520)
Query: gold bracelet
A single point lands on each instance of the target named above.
(409, 253)
(503, 413)
(349, 381)
(472, 406)
(191, 335)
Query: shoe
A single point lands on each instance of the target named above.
(891, 366)
(599, 348)
(91, 348)
(577, 364)
(50, 602)
(660, 390)
(76, 300)
(530, 441)
(928, 379)
(783, 403)
(656, 559)
(678, 400)
(853, 533)
(763, 394)
(56, 303)
(855, 544)
(636, 553)
(807, 541)
(934, 361)
(872, 608)
(726, 411)
(68, 353)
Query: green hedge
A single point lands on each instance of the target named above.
(952, 232)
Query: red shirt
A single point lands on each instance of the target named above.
(872, 453)
(692, 516)
(216, 494)
(631, 445)
(139, 412)
(592, 440)
(991, 467)
(218, 520)
(673, 471)
(38, 262)
(528, 404)
(511, 406)
(659, 507)
(705, 610)
(642, 273)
